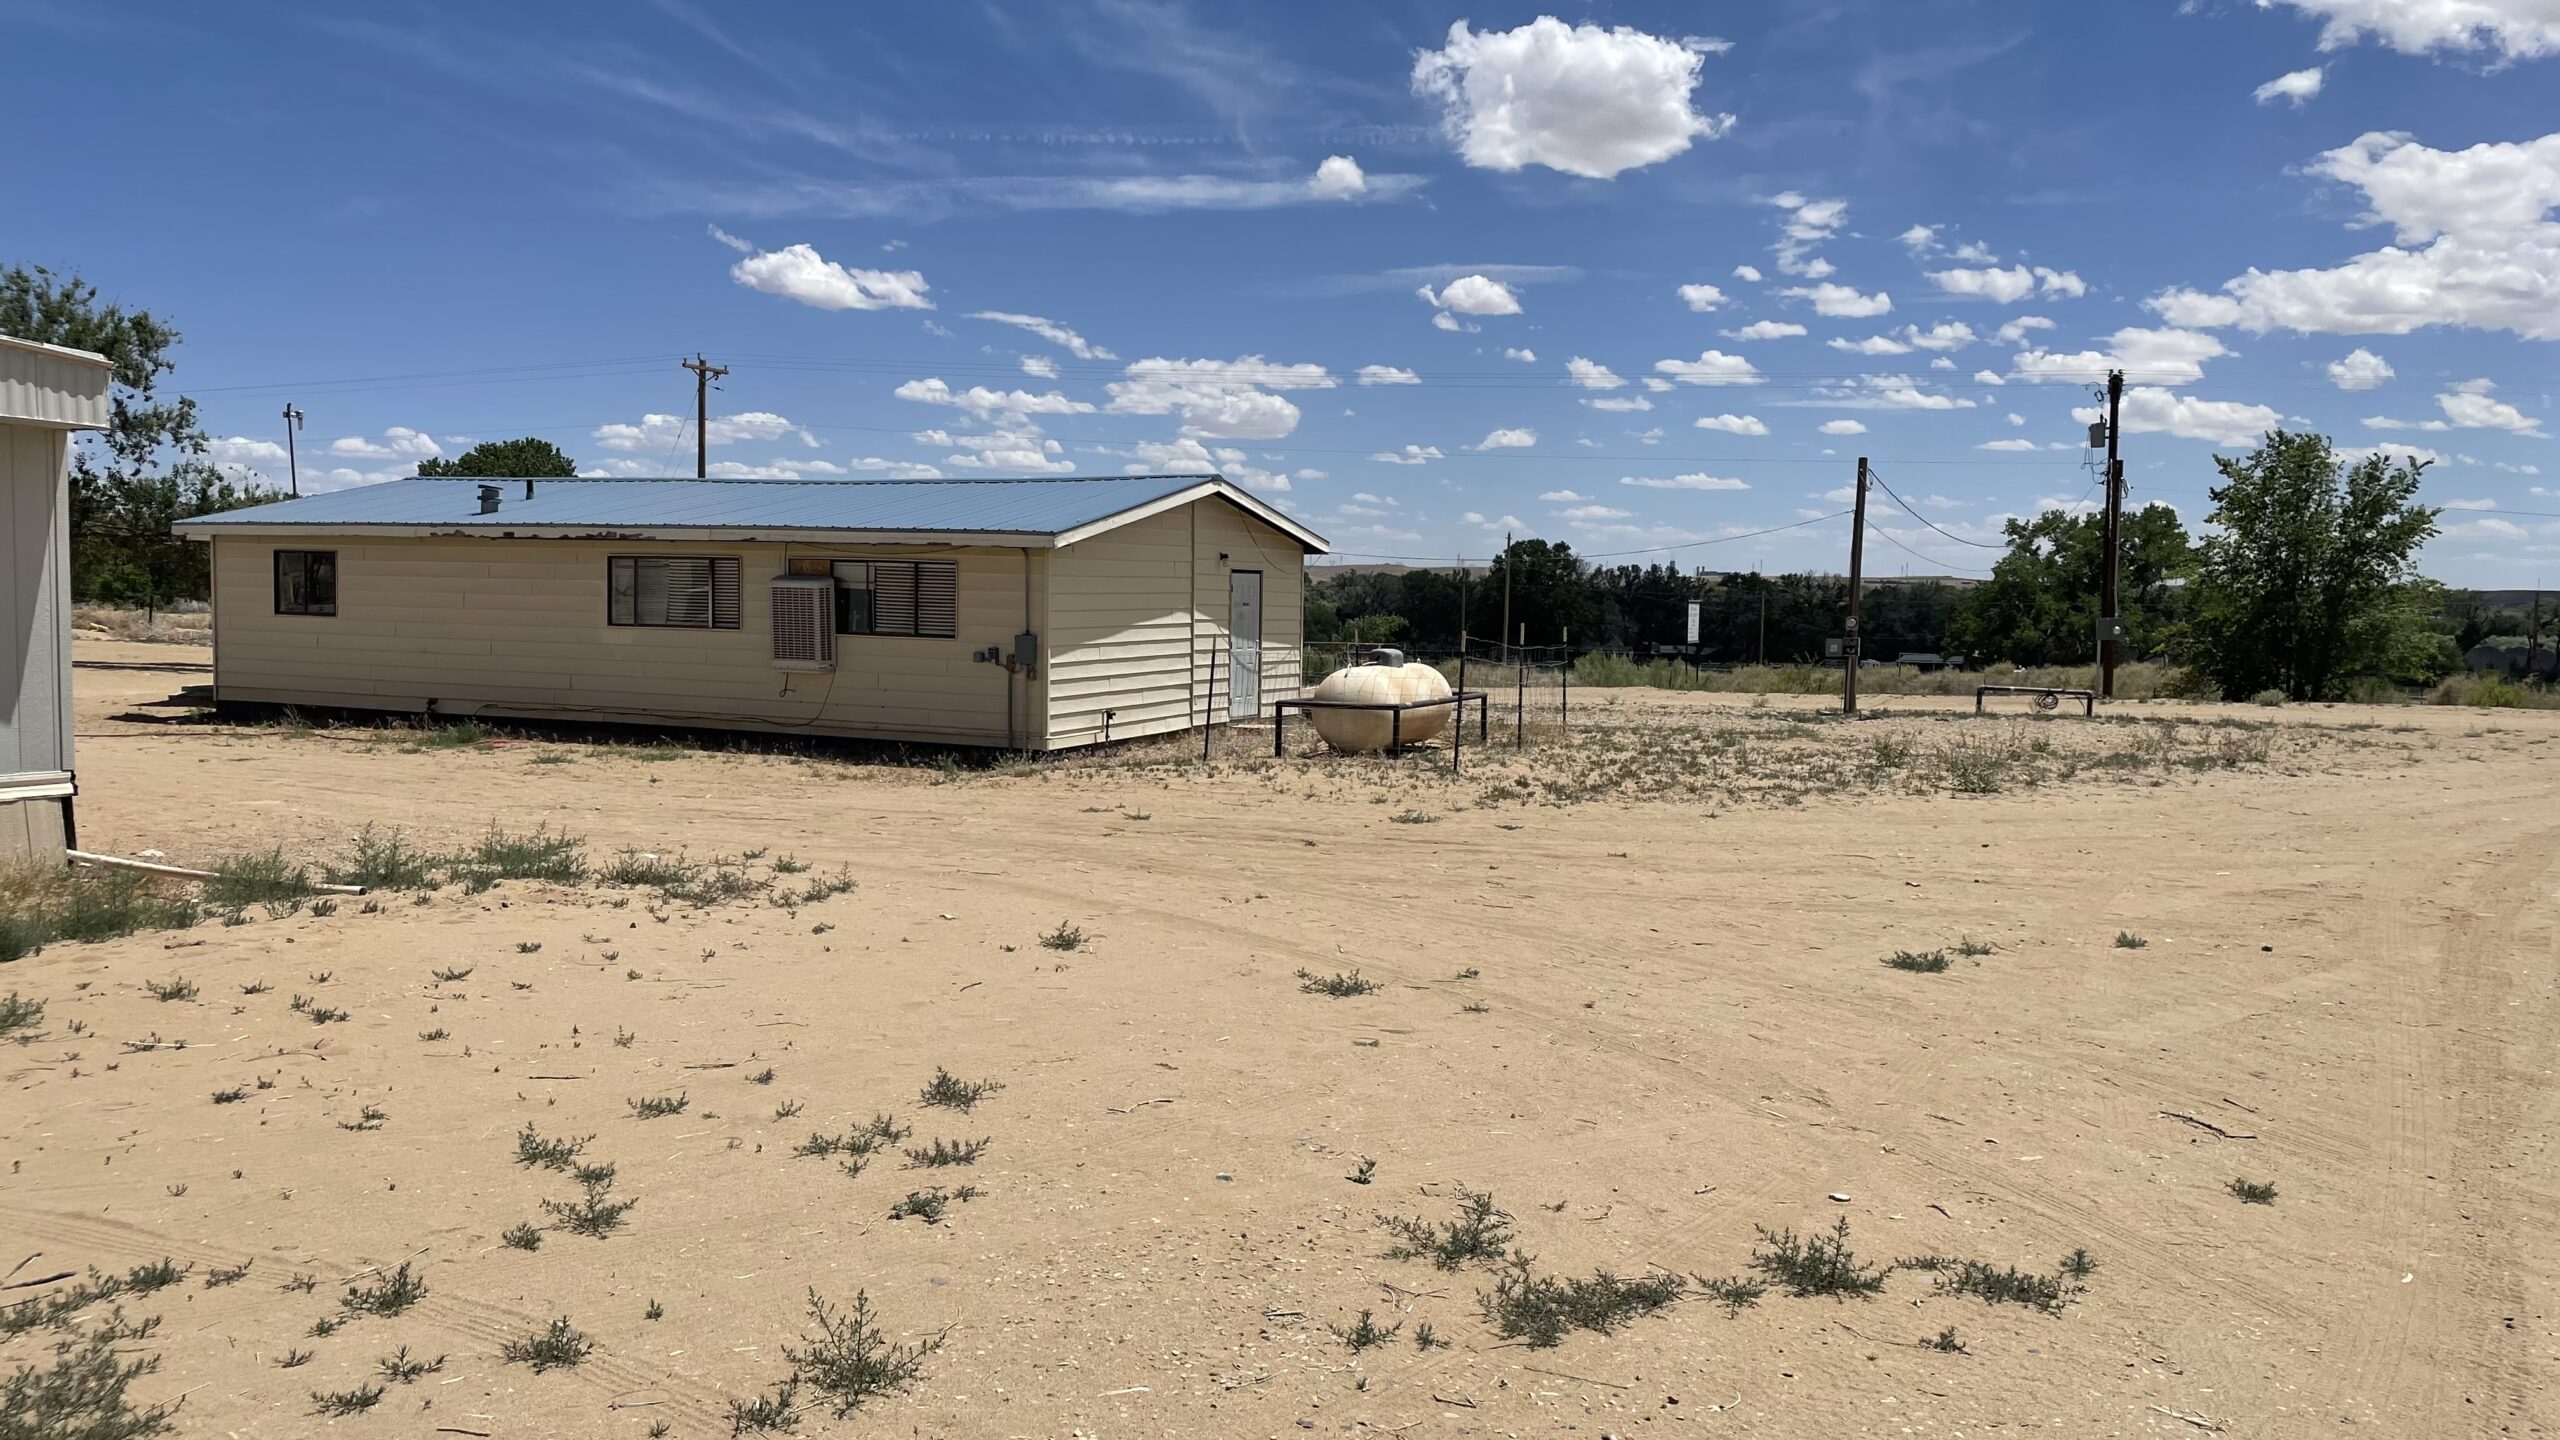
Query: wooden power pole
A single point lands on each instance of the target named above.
(292, 453)
(2110, 612)
(1508, 560)
(704, 372)
(1851, 653)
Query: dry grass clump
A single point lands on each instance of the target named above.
(189, 624)
(42, 905)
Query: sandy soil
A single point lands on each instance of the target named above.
(1686, 1033)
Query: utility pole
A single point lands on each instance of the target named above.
(1507, 558)
(704, 372)
(2110, 615)
(292, 459)
(1849, 653)
(1763, 587)
(1461, 711)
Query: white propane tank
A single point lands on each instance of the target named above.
(1424, 682)
(1354, 731)
(1358, 731)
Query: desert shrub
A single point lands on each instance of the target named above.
(540, 854)
(257, 877)
(1479, 1232)
(1542, 1309)
(953, 1093)
(84, 1394)
(2493, 692)
(847, 1360)
(558, 1346)
(382, 860)
(1818, 1264)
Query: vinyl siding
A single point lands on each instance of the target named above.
(504, 628)
(1137, 612)
(46, 385)
(35, 603)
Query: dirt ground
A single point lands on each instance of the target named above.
(1645, 1011)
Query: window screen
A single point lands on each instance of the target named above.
(306, 582)
(682, 592)
(898, 597)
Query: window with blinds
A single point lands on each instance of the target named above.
(680, 592)
(898, 597)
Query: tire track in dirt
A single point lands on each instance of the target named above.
(2447, 1112)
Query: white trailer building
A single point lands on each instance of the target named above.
(1039, 614)
(47, 393)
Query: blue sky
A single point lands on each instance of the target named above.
(1423, 273)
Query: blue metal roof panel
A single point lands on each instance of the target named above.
(1020, 507)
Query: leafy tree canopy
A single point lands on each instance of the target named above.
(2040, 606)
(2313, 578)
(146, 470)
(530, 457)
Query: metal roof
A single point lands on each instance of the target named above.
(1056, 510)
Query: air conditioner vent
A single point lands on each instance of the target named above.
(804, 622)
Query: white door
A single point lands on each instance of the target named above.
(1244, 644)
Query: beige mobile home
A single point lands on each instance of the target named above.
(46, 394)
(1034, 614)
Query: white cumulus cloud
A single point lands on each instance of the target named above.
(2298, 86)
(1228, 399)
(985, 403)
(1338, 178)
(1732, 424)
(1843, 427)
(1410, 455)
(2150, 409)
(2512, 29)
(1841, 302)
(1766, 330)
(2475, 248)
(1576, 98)
(397, 443)
(1701, 298)
(1592, 375)
(1509, 438)
(2360, 370)
(1712, 367)
(799, 272)
(1387, 375)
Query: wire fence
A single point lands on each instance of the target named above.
(1529, 690)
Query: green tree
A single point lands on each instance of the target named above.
(2040, 606)
(528, 458)
(146, 469)
(1550, 592)
(2312, 579)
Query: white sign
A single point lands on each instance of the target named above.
(1693, 622)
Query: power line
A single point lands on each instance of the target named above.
(1925, 520)
(1887, 536)
(1617, 554)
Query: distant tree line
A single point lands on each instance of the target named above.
(2306, 583)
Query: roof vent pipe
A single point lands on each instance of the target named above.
(488, 499)
(528, 487)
